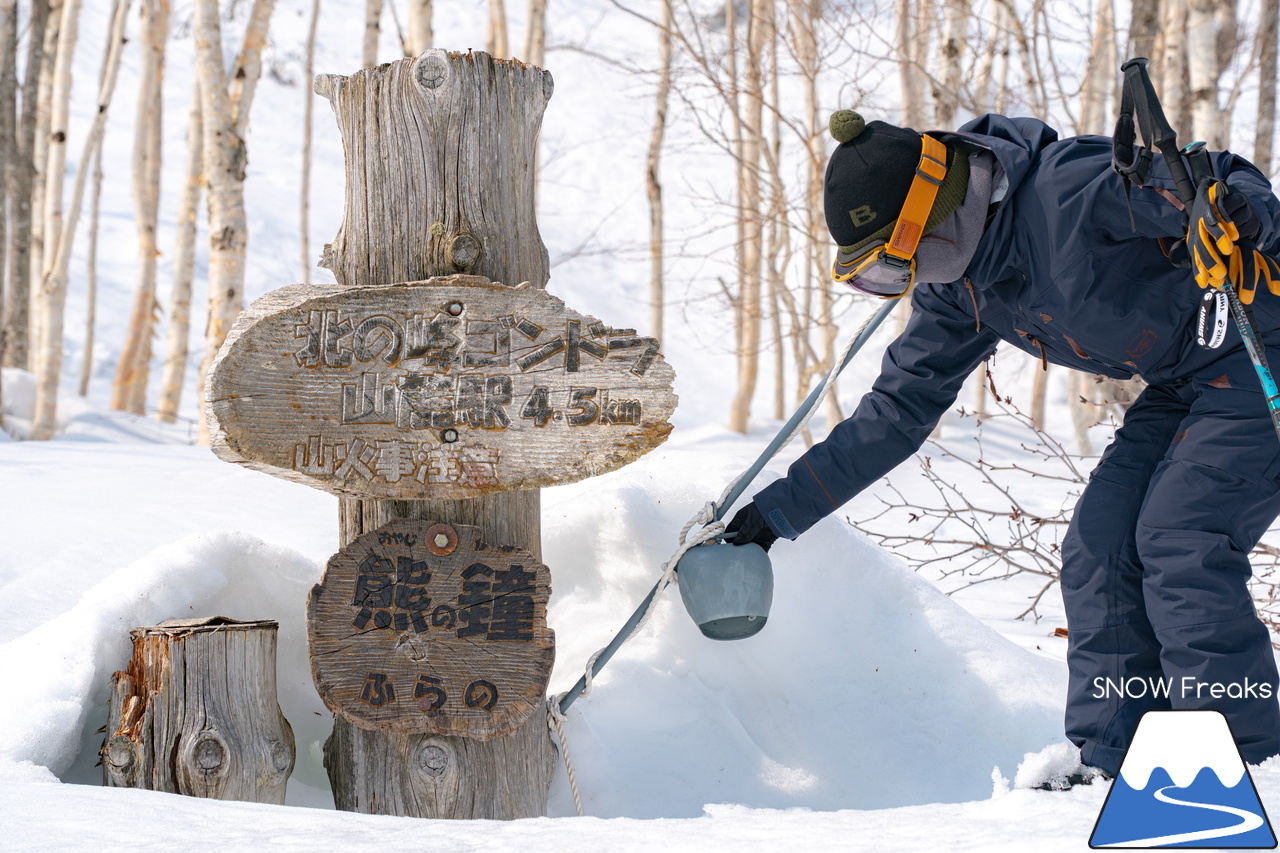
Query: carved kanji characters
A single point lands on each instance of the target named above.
(322, 340)
(433, 340)
(396, 460)
(358, 459)
(475, 601)
(370, 402)
(426, 402)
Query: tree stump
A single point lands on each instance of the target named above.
(195, 713)
(440, 154)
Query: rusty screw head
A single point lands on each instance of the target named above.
(454, 308)
(441, 539)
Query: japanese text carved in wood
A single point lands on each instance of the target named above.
(449, 388)
(429, 628)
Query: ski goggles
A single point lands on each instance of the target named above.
(888, 269)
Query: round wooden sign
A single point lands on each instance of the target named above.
(445, 389)
(429, 628)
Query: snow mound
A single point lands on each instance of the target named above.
(867, 688)
(65, 664)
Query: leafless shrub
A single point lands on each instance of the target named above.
(988, 521)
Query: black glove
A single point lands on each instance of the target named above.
(749, 526)
(1236, 206)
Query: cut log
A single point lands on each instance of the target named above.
(195, 713)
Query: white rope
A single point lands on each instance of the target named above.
(711, 529)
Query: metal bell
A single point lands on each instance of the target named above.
(727, 589)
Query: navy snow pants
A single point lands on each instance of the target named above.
(1155, 566)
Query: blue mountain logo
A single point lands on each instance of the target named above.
(1183, 784)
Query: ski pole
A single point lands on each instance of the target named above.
(1157, 131)
(743, 482)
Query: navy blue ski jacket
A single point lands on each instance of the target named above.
(1062, 272)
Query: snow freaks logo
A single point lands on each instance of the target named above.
(1183, 784)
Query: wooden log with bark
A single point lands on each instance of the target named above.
(195, 713)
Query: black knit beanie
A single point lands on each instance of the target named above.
(869, 175)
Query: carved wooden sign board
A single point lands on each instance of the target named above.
(429, 628)
(443, 389)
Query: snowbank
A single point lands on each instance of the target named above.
(867, 689)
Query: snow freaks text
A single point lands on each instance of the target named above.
(1187, 687)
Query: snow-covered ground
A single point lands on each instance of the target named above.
(873, 712)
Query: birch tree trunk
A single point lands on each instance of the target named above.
(307, 112)
(18, 306)
(985, 77)
(91, 275)
(8, 142)
(1039, 391)
(372, 31)
(93, 149)
(1099, 73)
(749, 260)
(247, 69)
(59, 118)
(1202, 65)
(53, 293)
(40, 158)
(805, 20)
(420, 34)
(910, 82)
(1174, 94)
(495, 38)
(1264, 136)
(129, 390)
(535, 32)
(225, 116)
(779, 237)
(1144, 24)
(652, 162)
(184, 256)
(1083, 409)
(946, 98)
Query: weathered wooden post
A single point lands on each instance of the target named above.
(435, 389)
(195, 713)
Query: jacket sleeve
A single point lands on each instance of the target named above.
(1155, 216)
(922, 372)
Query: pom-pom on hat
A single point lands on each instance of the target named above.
(869, 175)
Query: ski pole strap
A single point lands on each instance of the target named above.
(1140, 94)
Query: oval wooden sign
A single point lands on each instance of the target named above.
(445, 389)
(427, 627)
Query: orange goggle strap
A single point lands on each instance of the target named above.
(924, 190)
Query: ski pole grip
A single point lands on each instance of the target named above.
(1152, 121)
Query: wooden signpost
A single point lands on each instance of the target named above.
(447, 388)
(434, 389)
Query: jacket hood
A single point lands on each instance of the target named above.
(1016, 143)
